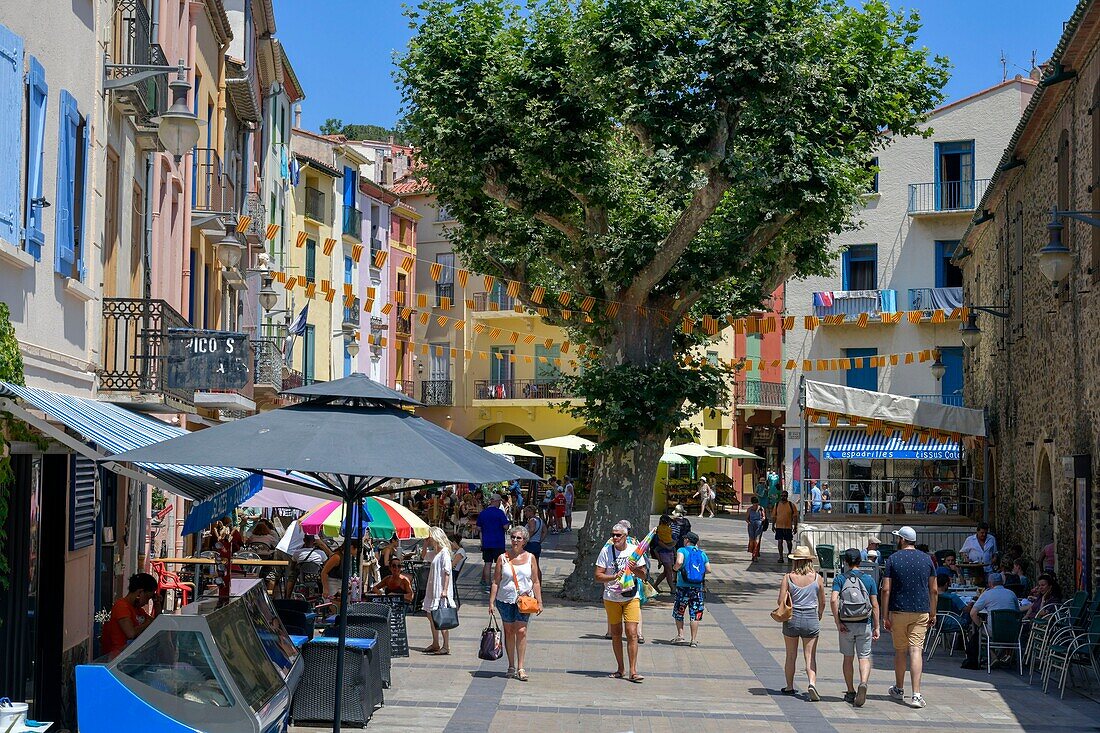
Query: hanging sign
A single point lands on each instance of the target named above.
(207, 360)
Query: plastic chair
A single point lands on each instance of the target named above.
(826, 558)
(947, 622)
(167, 580)
(1003, 632)
(1052, 630)
(1079, 650)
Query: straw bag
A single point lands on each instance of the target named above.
(785, 609)
(525, 604)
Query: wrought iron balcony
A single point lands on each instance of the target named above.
(955, 400)
(268, 365)
(135, 353)
(214, 191)
(757, 393)
(131, 48)
(944, 197)
(315, 204)
(405, 386)
(854, 302)
(436, 392)
(351, 314)
(402, 326)
(353, 223)
(520, 389)
(495, 301)
(255, 209)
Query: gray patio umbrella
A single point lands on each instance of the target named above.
(351, 435)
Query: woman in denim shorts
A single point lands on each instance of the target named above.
(806, 590)
(515, 573)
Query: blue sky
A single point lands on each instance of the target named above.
(349, 74)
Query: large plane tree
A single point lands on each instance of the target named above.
(669, 158)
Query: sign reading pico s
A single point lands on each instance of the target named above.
(207, 360)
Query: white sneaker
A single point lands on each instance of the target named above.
(917, 701)
(896, 693)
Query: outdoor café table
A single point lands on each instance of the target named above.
(969, 568)
(362, 694)
(199, 562)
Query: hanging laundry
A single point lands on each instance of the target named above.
(824, 299)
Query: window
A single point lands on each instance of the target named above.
(311, 260)
(72, 157)
(82, 502)
(873, 165)
(860, 267)
(712, 358)
(445, 286)
(309, 348)
(955, 175)
(547, 372)
(442, 214)
(351, 183)
(11, 118)
(501, 368)
(948, 274)
(951, 385)
(440, 369)
(37, 93)
(865, 377)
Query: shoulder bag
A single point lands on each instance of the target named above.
(490, 648)
(785, 609)
(445, 616)
(525, 604)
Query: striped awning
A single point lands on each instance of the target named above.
(857, 444)
(113, 429)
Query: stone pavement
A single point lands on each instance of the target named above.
(731, 681)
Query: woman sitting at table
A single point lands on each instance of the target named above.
(264, 534)
(395, 583)
(332, 574)
(1045, 597)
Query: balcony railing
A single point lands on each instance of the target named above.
(757, 393)
(353, 223)
(255, 209)
(930, 299)
(946, 196)
(315, 204)
(520, 389)
(135, 348)
(405, 386)
(403, 326)
(436, 392)
(351, 314)
(268, 360)
(444, 290)
(494, 301)
(854, 302)
(132, 47)
(955, 400)
(213, 187)
(293, 379)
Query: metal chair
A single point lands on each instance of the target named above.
(1003, 632)
(947, 622)
(1054, 629)
(247, 555)
(1081, 649)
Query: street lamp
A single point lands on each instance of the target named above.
(969, 332)
(268, 297)
(1056, 259)
(229, 250)
(178, 127)
(938, 369)
(352, 347)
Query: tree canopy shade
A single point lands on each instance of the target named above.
(675, 157)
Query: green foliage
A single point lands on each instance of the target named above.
(333, 126)
(158, 500)
(11, 370)
(624, 402)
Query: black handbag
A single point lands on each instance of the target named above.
(445, 617)
(491, 647)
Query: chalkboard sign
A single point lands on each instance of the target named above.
(399, 635)
(207, 360)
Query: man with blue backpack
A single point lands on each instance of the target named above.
(692, 566)
(856, 612)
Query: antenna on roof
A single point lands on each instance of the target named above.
(1004, 66)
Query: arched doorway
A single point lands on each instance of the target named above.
(1043, 522)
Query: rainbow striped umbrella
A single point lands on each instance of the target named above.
(384, 518)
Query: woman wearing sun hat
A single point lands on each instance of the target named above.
(806, 590)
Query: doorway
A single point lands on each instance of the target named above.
(1043, 522)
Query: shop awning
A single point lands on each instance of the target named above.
(108, 429)
(891, 408)
(857, 444)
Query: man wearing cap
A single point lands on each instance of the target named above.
(856, 634)
(909, 593)
(680, 526)
(872, 547)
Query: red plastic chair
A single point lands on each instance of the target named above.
(167, 580)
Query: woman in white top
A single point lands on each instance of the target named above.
(439, 588)
(514, 574)
(706, 497)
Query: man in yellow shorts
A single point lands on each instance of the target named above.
(622, 605)
(910, 594)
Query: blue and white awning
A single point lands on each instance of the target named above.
(857, 444)
(113, 429)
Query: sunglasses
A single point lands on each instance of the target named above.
(517, 537)
(617, 534)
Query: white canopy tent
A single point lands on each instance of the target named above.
(511, 449)
(569, 442)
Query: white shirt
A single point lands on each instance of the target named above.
(506, 592)
(972, 550)
(613, 561)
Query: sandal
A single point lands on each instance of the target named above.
(521, 674)
(616, 675)
(641, 640)
(636, 679)
(431, 649)
(677, 640)
(694, 644)
(441, 652)
(510, 673)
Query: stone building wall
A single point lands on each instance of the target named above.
(1036, 371)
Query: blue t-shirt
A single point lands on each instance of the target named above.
(492, 521)
(909, 571)
(868, 582)
(682, 557)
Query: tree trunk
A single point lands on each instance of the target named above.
(622, 485)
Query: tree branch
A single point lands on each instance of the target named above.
(494, 189)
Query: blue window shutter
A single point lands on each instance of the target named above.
(349, 186)
(80, 239)
(37, 94)
(348, 265)
(845, 263)
(82, 518)
(11, 138)
(64, 255)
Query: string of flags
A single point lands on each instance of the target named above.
(886, 429)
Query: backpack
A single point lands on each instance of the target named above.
(694, 569)
(855, 601)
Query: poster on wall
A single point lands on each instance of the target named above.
(813, 468)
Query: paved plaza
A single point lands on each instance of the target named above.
(730, 682)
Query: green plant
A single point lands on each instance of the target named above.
(11, 370)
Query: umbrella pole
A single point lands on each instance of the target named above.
(345, 562)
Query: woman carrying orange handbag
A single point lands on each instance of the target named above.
(515, 595)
